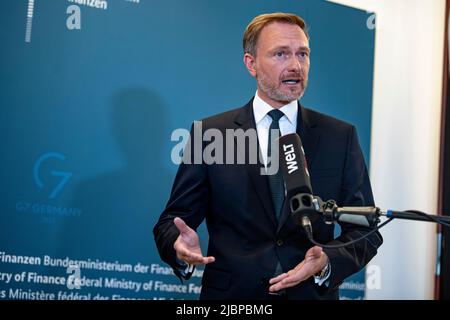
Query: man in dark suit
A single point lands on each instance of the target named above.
(255, 250)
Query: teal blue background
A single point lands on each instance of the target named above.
(107, 98)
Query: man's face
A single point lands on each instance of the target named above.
(281, 64)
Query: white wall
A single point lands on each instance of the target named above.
(405, 140)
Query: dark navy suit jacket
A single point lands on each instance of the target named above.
(244, 235)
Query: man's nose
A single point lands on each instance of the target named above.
(294, 64)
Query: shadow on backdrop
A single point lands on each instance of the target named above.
(119, 207)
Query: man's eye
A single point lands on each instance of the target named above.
(303, 54)
(280, 53)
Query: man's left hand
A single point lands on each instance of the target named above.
(315, 260)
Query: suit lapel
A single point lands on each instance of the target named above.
(246, 120)
(307, 130)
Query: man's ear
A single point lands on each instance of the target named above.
(250, 63)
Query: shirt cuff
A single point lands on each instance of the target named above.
(321, 280)
(185, 268)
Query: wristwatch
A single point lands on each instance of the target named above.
(324, 272)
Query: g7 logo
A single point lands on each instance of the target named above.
(65, 176)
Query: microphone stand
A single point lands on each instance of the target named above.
(305, 207)
(304, 204)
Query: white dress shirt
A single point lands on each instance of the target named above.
(288, 122)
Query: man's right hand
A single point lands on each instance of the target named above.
(187, 245)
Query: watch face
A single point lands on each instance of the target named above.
(323, 272)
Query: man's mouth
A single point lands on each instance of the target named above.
(291, 81)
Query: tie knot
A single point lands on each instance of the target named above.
(275, 114)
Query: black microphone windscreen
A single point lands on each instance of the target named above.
(293, 165)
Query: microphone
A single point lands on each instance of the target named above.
(293, 164)
(363, 216)
(303, 205)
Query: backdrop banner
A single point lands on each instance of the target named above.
(91, 91)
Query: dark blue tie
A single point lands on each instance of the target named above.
(276, 182)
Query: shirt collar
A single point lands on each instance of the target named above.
(261, 108)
